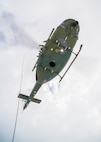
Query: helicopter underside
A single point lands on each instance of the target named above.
(50, 65)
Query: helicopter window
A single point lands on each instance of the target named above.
(52, 64)
(77, 30)
(64, 24)
(36, 77)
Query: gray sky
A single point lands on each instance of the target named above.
(70, 110)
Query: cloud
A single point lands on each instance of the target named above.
(12, 34)
(71, 112)
(13, 43)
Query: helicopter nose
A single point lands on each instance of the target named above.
(75, 23)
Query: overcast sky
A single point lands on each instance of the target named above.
(70, 110)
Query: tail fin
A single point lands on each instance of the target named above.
(27, 98)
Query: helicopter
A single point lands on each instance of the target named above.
(53, 56)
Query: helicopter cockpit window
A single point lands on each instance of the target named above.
(77, 30)
(65, 23)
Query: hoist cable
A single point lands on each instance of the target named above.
(17, 111)
(16, 120)
(23, 68)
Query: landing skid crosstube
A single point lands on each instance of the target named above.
(71, 62)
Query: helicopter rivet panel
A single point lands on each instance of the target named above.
(59, 50)
(66, 38)
(52, 71)
(51, 49)
(35, 92)
(62, 26)
(45, 68)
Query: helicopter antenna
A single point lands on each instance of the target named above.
(51, 34)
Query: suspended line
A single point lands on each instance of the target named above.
(16, 121)
(23, 67)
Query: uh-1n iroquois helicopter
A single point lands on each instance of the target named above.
(53, 56)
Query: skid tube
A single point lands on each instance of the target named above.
(71, 63)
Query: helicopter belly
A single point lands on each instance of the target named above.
(57, 50)
(50, 65)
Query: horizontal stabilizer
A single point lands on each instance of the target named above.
(23, 97)
(36, 100)
(27, 98)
